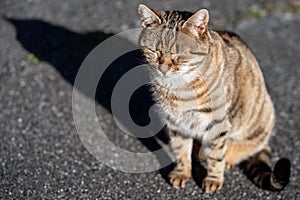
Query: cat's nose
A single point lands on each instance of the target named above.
(163, 68)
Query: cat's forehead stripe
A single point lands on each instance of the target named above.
(169, 43)
(173, 19)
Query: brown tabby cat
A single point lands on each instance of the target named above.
(212, 92)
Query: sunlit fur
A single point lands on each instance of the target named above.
(212, 92)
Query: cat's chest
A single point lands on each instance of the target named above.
(189, 122)
(183, 111)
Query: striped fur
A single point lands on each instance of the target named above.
(211, 91)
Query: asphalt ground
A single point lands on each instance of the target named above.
(43, 44)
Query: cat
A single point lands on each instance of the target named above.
(212, 96)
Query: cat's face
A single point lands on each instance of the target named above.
(172, 52)
(174, 43)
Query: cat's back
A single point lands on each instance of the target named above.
(249, 103)
(234, 41)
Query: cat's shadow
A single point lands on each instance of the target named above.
(66, 50)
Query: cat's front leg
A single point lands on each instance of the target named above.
(215, 161)
(181, 148)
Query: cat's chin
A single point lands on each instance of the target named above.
(170, 79)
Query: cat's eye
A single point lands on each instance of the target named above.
(158, 54)
(179, 60)
(151, 54)
(198, 53)
(176, 59)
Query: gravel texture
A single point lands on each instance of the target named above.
(43, 43)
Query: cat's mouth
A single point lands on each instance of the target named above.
(161, 69)
(165, 70)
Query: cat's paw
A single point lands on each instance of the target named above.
(211, 185)
(228, 167)
(178, 180)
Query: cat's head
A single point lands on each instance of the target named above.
(174, 42)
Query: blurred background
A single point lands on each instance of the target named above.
(43, 43)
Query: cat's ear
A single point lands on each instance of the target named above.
(148, 16)
(198, 22)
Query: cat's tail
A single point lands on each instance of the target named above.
(261, 174)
